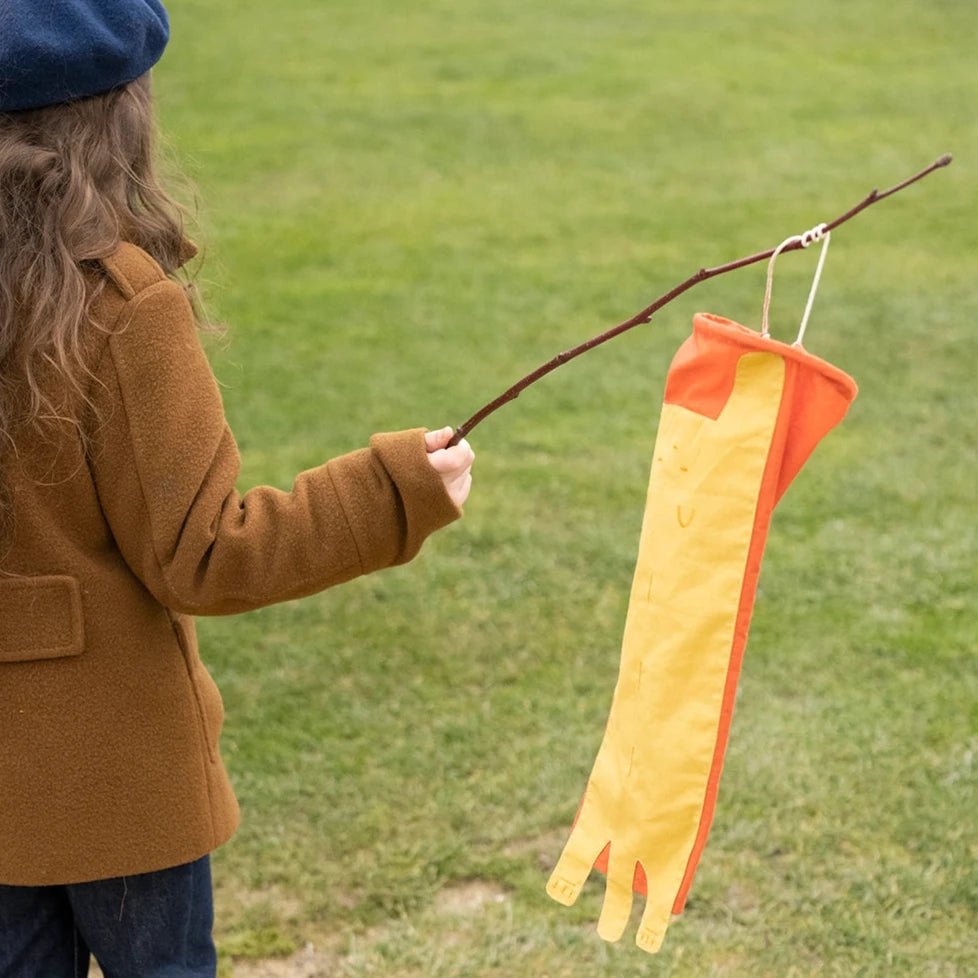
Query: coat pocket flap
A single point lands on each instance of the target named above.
(40, 618)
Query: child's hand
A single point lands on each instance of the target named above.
(454, 465)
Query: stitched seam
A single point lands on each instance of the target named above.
(29, 653)
(146, 293)
(190, 667)
(129, 303)
(45, 649)
(346, 516)
(31, 585)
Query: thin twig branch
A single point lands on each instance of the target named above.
(646, 314)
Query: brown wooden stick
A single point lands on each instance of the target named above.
(646, 314)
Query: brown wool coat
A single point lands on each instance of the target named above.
(109, 723)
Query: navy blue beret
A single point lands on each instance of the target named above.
(54, 51)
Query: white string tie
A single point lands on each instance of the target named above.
(818, 233)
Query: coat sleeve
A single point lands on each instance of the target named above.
(165, 465)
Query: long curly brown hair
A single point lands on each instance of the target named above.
(75, 180)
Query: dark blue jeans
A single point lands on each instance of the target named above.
(147, 926)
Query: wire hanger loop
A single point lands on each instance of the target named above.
(818, 233)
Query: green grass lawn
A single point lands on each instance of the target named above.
(408, 206)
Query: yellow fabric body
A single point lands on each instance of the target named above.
(645, 796)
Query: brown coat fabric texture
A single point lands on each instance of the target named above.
(109, 723)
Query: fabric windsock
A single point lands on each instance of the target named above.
(742, 413)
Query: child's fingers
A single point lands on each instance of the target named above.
(454, 464)
(455, 460)
(457, 481)
(457, 486)
(435, 440)
(459, 490)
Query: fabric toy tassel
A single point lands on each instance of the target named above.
(742, 413)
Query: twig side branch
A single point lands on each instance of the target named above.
(646, 314)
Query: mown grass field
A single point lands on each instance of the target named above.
(405, 208)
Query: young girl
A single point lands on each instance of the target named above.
(119, 519)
